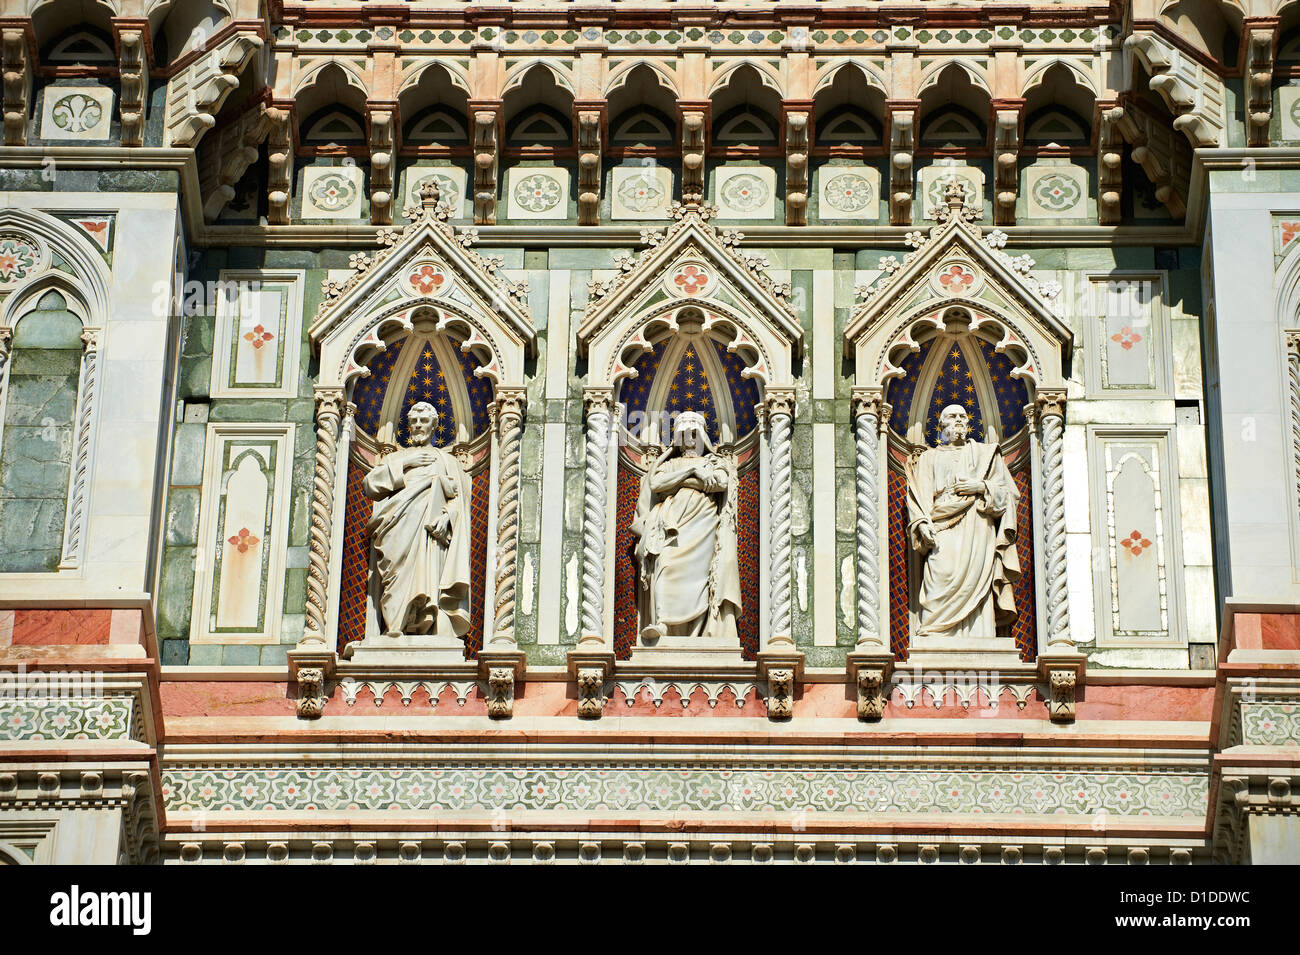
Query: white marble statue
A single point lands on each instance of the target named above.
(961, 521)
(686, 539)
(419, 535)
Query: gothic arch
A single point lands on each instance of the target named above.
(768, 75)
(1038, 73)
(620, 74)
(874, 77)
(516, 74)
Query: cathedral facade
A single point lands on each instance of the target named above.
(639, 432)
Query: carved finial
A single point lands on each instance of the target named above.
(429, 195)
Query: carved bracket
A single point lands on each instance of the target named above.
(383, 147)
(796, 168)
(17, 85)
(871, 672)
(1007, 166)
(224, 162)
(589, 167)
(1259, 85)
(1110, 166)
(1192, 91)
(1063, 673)
(693, 144)
(485, 166)
(279, 164)
(901, 145)
(134, 74)
(782, 669)
(503, 670)
(312, 668)
(195, 93)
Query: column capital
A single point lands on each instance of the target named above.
(779, 401)
(870, 401)
(1292, 340)
(329, 401)
(1050, 403)
(510, 400)
(597, 400)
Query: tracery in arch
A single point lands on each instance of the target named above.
(957, 364)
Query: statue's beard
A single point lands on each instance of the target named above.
(421, 436)
(954, 434)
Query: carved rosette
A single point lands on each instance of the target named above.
(780, 422)
(509, 417)
(1051, 416)
(329, 407)
(598, 403)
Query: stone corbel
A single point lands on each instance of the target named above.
(871, 662)
(279, 183)
(236, 149)
(589, 166)
(695, 124)
(17, 74)
(901, 145)
(383, 149)
(1110, 165)
(134, 73)
(1156, 150)
(797, 117)
(1006, 150)
(195, 93)
(312, 669)
(486, 148)
(1259, 83)
(1192, 91)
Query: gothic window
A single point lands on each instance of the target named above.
(80, 47)
(967, 370)
(333, 127)
(39, 398)
(1056, 127)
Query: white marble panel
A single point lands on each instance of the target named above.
(451, 187)
(745, 192)
(848, 193)
(332, 192)
(537, 192)
(640, 192)
(77, 113)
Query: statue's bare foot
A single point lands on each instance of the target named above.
(653, 633)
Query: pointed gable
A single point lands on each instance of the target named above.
(428, 272)
(691, 264)
(956, 264)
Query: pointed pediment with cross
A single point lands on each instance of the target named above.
(957, 272)
(690, 268)
(427, 272)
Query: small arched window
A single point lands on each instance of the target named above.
(745, 126)
(41, 380)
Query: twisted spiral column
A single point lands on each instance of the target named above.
(329, 405)
(780, 416)
(598, 405)
(1051, 414)
(85, 406)
(510, 416)
(1293, 370)
(868, 411)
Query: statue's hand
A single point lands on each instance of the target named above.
(440, 529)
(926, 533)
(969, 488)
(421, 460)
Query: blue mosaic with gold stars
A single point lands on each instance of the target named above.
(954, 386)
(1010, 393)
(426, 383)
(903, 390)
(692, 389)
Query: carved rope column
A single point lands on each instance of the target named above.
(1293, 376)
(871, 661)
(312, 661)
(501, 662)
(6, 345)
(86, 397)
(1060, 664)
(592, 662)
(779, 662)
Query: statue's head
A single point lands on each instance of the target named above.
(691, 432)
(421, 423)
(954, 425)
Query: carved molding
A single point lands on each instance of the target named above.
(1259, 85)
(383, 149)
(134, 73)
(1110, 166)
(485, 166)
(796, 168)
(17, 85)
(901, 145)
(279, 183)
(1006, 151)
(589, 166)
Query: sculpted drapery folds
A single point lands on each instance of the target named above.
(419, 535)
(961, 520)
(685, 527)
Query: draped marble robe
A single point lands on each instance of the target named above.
(967, 577)
(422, 582)
(686, 547)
